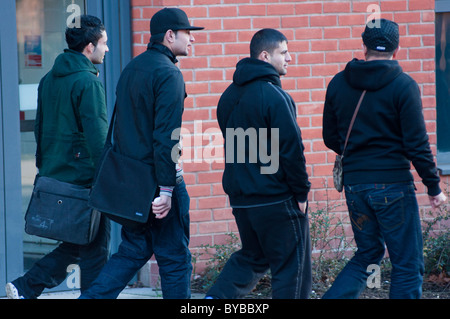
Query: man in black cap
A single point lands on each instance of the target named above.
(149, 108)
(388, 134)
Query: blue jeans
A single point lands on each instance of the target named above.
(167, 239)
(51, 270)
(379, 214)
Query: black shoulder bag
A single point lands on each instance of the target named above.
(124, 188)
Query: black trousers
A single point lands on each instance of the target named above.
(274, 237)
(51, 270)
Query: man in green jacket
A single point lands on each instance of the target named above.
(71, 130)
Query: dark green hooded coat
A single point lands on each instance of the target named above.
(73, 125)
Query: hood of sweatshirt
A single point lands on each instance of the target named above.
(71, 62)
(371, 75)
(249, 70)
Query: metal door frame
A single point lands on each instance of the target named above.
(116, 15)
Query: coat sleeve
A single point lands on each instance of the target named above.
(291, 150)
(330, 126)
(93, 115)
(169, 100)
(415, 137)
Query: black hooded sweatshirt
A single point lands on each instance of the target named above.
(264, 161)
(389, 132)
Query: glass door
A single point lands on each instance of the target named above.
(41, 28)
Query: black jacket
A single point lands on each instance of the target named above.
(149, 106)
(389, 132)
(256, 173)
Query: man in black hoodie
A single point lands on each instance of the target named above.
(388, 134)
(268, 193)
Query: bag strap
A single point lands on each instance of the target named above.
(353, 120)
(108, 141)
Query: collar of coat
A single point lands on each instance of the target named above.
(163, 49)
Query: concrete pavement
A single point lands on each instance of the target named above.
(127, 293)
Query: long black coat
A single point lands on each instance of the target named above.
(149, 108)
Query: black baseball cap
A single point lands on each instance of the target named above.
(381, 35)
(169, 19)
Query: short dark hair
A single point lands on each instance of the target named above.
(266, 40)
(89, 30)
(159, 38)
(379, 54)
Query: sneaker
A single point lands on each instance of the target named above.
(12, 292)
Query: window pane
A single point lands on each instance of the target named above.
(443, 81)
(41, 28)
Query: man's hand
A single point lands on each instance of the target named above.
(302, 207)
(161, 206)
(437, 200)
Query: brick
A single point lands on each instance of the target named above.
(193, 63)
(396, 5)
(322, 21)
(252, 10)
(208, 49)
(294, 22)
(223, 214)
(336, 7)
(309, 33)
(222, 37)
(223, 61)
(423, 28)
(308, 8)
(426, 53)
(199, 215)
(236, 48)
(209, 75)
(325, 69)
(281, 9)
(197, 88)
(407, 17)
(421, 5)
(213, 227)
(223, 11)
(192, 115)
(351, 20)
(209, 177)
(237, 24)
(260, 23)
(337, 33)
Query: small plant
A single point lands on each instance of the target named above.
(219, 257)
(330, 244)
(436, 240)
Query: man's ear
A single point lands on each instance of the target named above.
(264, 56)
(396, 52)
(89, 49)
(169, 36)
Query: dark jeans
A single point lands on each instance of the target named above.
(274, 237)
(379, 214)
(51, 270)
(167, 239)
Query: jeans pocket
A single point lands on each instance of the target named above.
(389, 209)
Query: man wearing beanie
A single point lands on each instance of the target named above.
(387, 136)
(149, 107)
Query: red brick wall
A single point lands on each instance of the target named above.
(323, 37)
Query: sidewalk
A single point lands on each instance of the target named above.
(127, 293)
